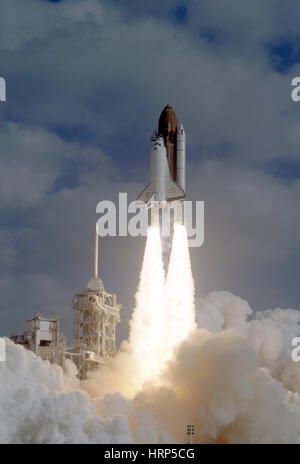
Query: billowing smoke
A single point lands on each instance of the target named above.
(231, 374)
(41, 404)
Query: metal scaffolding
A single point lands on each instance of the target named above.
(96, 314)
(42, 335)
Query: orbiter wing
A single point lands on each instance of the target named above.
(146, 195)
(173, 191)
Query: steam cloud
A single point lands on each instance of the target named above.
(233, 376)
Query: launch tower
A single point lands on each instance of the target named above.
(96, 314)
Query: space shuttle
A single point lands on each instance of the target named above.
(167, 162)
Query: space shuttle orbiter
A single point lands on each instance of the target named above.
(167, 167)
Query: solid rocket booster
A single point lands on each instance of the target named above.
(167, 166)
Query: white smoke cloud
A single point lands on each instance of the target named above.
(38, 407)
(236, 382)
(269, 332)
(221, 311)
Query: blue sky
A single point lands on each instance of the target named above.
(86, 81)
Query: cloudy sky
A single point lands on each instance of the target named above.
(86, 81)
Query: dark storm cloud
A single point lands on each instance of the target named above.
(86, 81)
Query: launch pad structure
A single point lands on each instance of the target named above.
(42, 336)
(96, 314)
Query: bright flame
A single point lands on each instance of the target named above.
(180, 314)
(147, 322)
(165, 312)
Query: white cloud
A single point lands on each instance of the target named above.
(32, 158)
